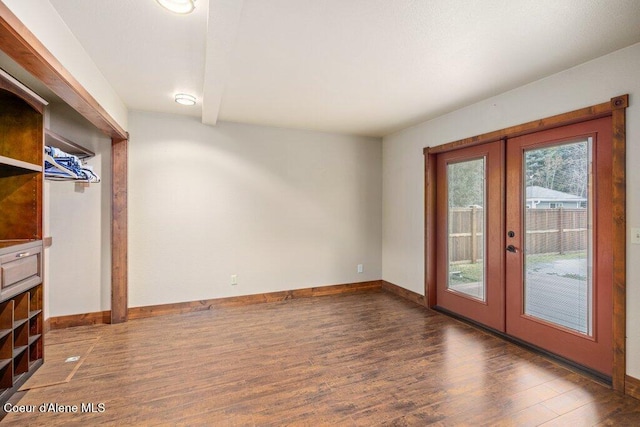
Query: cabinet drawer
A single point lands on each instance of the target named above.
(21, 269)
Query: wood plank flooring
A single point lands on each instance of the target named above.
(365, 359)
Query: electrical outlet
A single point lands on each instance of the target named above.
(360, 268)
(635, 236)
(234, 279)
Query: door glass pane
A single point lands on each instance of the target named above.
(558, 235)
(466, 224)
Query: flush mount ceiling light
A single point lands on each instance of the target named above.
(178, 6)
(185, 99)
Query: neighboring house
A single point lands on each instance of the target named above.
(546, 198)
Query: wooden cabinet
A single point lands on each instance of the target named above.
(21, 153)
(20, 338)
(21, 251)
(20, 268)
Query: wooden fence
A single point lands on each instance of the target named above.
(548, 231)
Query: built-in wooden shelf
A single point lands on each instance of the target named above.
(19, 322)
(34, 338)
(21, 339)
(21, 182)
(17, 351)
(19, 165)
(52, 139)
(15, 242)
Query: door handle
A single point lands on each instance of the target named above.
(512, 248)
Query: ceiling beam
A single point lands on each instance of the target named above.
(222, 29)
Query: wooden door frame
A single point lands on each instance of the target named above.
(119, 230)
(616, 108)
(23, 47)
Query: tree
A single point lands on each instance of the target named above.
(465, 182)
(561, 168)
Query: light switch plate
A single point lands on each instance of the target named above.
(635, 236)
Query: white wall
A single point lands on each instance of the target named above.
(42, 19)
(78, 269)
(403, 164)
(281, 209)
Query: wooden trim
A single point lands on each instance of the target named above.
(619, 291)
(430, 218)
(615, 108)
(576, 116)
(101, 317)
(63, 322)
(119, 263)
(46, 327)
(402, 292)
(24, 48)
(632, 387)
(210, 304)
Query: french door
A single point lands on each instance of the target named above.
(524, 238)
(470, 221)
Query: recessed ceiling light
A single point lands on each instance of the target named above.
(185, 99)
(178, 6)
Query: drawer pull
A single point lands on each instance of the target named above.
(22, 254)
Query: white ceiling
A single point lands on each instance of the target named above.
(367, 67)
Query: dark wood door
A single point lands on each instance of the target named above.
(470, 241)
(559, 268)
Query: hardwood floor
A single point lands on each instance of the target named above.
(364, 359)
